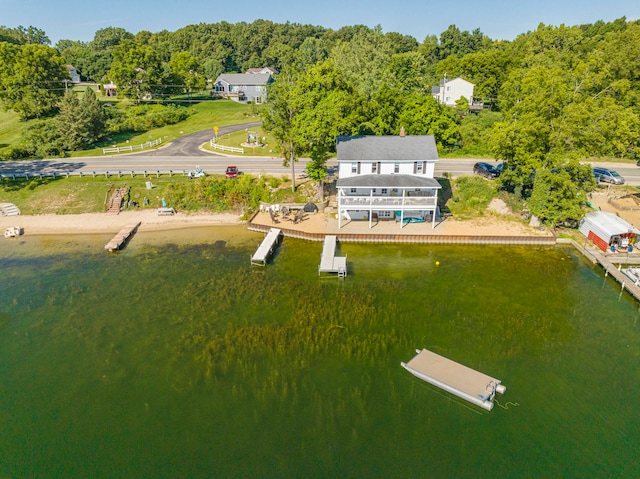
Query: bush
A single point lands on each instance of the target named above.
(471, 195)
(145, 117)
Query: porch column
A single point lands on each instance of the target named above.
(339, 208)
(370, 206)
(435, 208)
(402, 211)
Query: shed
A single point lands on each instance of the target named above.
(609, 231)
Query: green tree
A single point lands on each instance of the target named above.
(31, 79)
(423, 115)
(136, 70)
(560, 192)
(278, 115)
(187, 70)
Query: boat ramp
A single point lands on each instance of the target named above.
(329, 262)
(460, 380)
(121, 238)
(264, 251)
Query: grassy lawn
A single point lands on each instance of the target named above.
(10, 128)
(205, 115)
(236, 139)
(80, 195)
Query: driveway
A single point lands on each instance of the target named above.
(189, 145)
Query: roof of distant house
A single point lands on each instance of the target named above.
(271, 70)
(386, 148)
(244, 78)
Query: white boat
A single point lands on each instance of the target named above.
(13, 232)
(633, 273)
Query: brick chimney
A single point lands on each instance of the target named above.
(402, 134)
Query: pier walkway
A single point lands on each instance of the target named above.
(267, 246)
(460, 380)
(121, 238)
(329, 262)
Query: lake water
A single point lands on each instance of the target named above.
(176, 359)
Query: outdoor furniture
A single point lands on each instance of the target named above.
(298, 217)
(273, 216)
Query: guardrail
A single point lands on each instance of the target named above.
(232, 149)
(120, 149)
(106, 173)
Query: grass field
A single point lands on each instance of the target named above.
(236, 139)
(205, 115)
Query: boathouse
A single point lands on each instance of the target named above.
(387, 178)
(608, 231)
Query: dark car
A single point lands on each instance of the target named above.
(606, 175)
(232, 172)
(486, 170)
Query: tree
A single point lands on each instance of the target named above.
(136, 70)
(423, 115)
(278, 116)
(186, 68)
(31, 79)
(560, 191)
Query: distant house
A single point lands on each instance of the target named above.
(387, 177)
(450, 91)
(242, 87)
(269, 70)
(110, 89)
(73, 74)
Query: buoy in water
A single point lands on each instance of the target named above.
(437, 263)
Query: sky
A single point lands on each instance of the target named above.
(499, 19)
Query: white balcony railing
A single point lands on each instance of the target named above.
(387, 201)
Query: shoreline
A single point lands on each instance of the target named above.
(97, 223)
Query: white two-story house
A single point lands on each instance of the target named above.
(450, 91)
(387, 177)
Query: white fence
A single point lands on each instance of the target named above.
(120, 149)
(232, 149)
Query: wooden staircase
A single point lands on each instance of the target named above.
(115, 202)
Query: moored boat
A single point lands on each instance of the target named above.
(13, 232)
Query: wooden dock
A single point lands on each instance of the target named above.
(329, 262)
(262, 254)
(121, 238)
(460, 380)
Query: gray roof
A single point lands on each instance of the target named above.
(387, 181)
(386, 148)
(245, 78)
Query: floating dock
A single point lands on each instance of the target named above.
(121, 238)
(462, 381)
(329, 262)
(267, 246)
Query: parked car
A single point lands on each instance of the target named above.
(486, 170)
(232, 172)
(606, 175)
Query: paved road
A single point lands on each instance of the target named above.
(184, 154)
(189, 145)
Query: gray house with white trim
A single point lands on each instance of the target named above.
(387, 177)
(242, 87)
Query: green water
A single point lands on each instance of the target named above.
(176, 359)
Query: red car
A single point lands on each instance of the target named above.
(232, 172)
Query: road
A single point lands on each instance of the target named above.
(184, 154)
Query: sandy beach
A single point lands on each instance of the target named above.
(109, 223)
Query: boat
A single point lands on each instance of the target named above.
(633, 273)
(13, 232)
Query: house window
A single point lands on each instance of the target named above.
(385, 214)
(354, 168)
(418, 167)
(384, 191)
(373, 191)
(374, 167)
(396, 167)
(354, 190)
